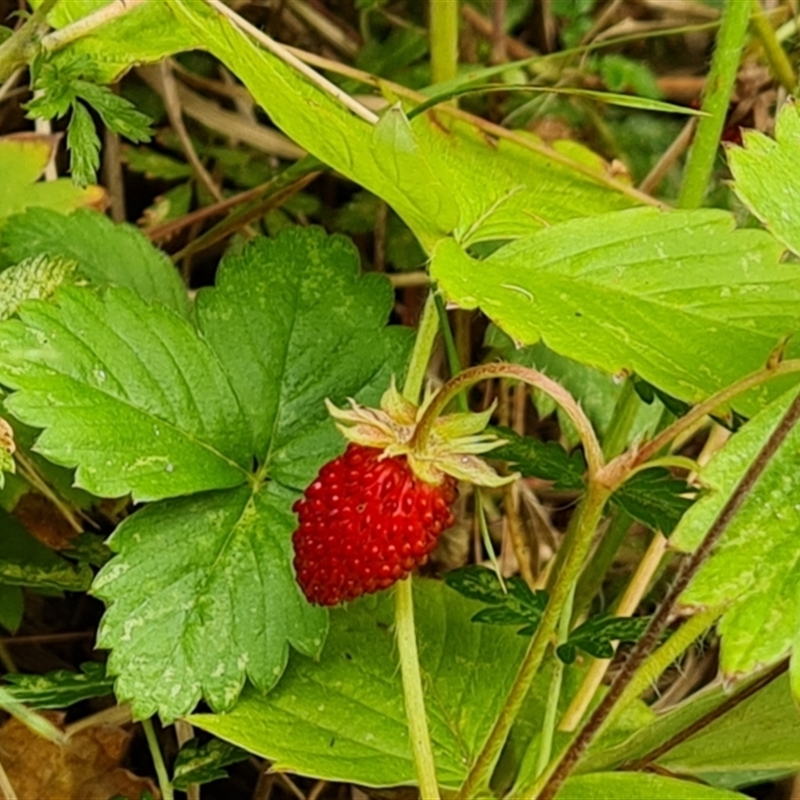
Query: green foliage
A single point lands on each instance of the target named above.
(89, 239)
(61, 688)
(535, 458)
(692, 323)
(756, 566)
(626, 785)
(294, 325)
(510, 602)
(202, 763)
(12, 607)
(24, 561)
(22, 163)
(62, 88)
(595, 636)
(655, 498)
(34, 278)
(766, 178)
(342, 718)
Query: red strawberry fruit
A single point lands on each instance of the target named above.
(375, 513)
(366, 522)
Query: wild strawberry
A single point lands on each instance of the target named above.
(376, 512)
(366, 522)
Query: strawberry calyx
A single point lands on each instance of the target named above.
(452, 447)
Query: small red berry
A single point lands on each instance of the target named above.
(365, 523)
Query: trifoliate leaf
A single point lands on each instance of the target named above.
(32, 279)
(83, 145)
(127, 392)
(546, 460)
(24, 561)
(755, 568)
(61, 688)
(595, 636)
(202, 763)
(655, 498)
(202, 595)
(342, 718)
(765, 175)
(104, 252)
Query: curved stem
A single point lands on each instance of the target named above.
(584, 524)
(421, 746)
(592, 449)
(721, 79)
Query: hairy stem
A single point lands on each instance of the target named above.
(421, 746)
(413, 695)
(627, 605)
(585, 522)
(164, 782)
(661, 618)
(719, 87)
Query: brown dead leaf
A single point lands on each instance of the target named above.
(44, 521)
(86, 768)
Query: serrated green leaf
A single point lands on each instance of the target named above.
(34, 278)
(755, 568)
(22, 162)
(202, 763)
(681, 298)
(12, 607)
(477, 583)
(595, 636)
(201, 595)
(765, 175)
(534, 458)
(83, 145)
(294, 324)
(61, 688)
(118, 114)
(342, 718)
(126, 392)
(105, 252)
(655, 498)
(630, 785)
(24, 561)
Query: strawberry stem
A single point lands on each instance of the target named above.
(413, 696)
(421, 746)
